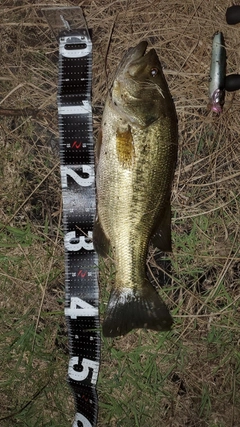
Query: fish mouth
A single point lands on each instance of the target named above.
(125, 86)
(138, 51)
(133, 54)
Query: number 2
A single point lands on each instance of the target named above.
(83, 182)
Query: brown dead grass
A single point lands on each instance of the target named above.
(205, 198)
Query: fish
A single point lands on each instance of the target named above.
(136, 155)
(217, 74)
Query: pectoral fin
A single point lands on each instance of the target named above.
(98, 146)
(100, 240)
(161, 238)
(124, 146)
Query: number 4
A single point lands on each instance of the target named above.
(79, 308)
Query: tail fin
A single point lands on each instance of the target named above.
(131, 308)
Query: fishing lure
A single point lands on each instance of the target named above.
(217, 73)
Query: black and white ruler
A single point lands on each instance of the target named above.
(79, 207)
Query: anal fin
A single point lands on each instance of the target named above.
(161, 238)
(100, 240)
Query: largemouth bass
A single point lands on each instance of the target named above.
(135, 159)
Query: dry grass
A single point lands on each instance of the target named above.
(191, 376)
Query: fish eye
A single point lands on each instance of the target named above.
(154, 72)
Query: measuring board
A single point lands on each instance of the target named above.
(79, 207)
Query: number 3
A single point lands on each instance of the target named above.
(81, 242)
